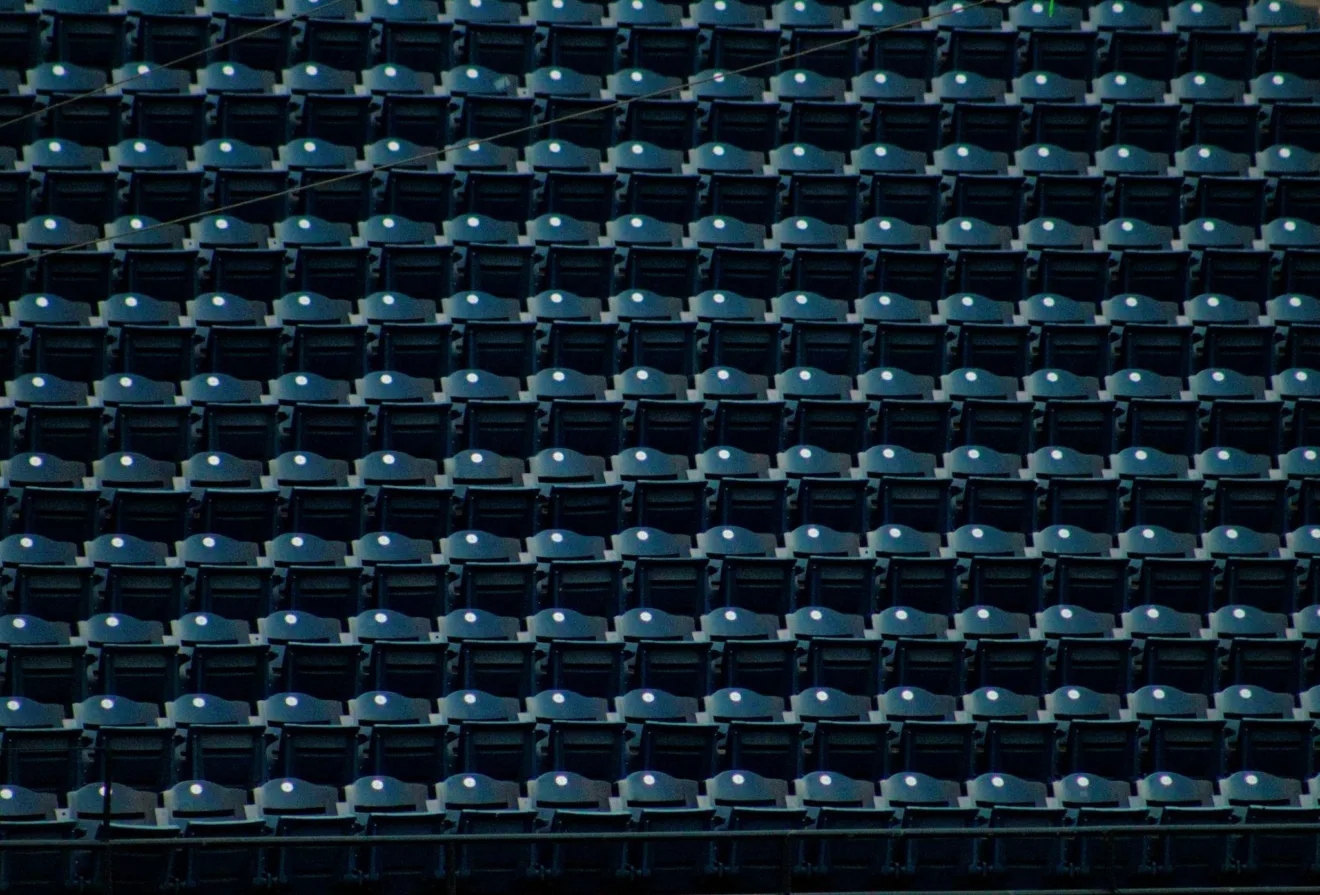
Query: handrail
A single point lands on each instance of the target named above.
(1105, 832)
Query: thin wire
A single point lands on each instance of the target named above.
(70, 100)
(477, 141)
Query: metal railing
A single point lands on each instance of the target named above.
(1113, 837)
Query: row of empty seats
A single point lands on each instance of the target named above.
(428, 190)
(674, 39)
(859, 818)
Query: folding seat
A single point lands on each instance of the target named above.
(570, 803)
(651, 182)
(1264, 732)
(662, 573)
(488, 494)
(900, 334)
(984, 336)
(330, 36)
(40, 752)
(77, 352)
(499, 666)
(130, 658)
(1237, 402)
(408, 867)
(487, 183)
(1148, 336)
(323, 340)
(987, 413)
(1057, 113)
(908, 51)
(846, 735)
(817, 333)
(298, 808)
(308, 655)
(1014, 802)
(46, 497)
(1237, 496)
(43, 574)
(1156, 490)
(244, 173)
(410, 110)
(661, 417)
(1059, 186)
(219, 743)
(320, 417)
(229, 495)
(1257, 654)
(236, 259)
(95, 123)
(1172, 652)
(1226, 335)
(220, 658)
(927, 802)
(485, 806)
(140, 497)
(747, 653)
(913, 570)
(399, 657)
(208, 809)
(159, 184)
(1072, 416)
(746, 571)
(820, 410)
(403, 497)
(578, 416)
(653, 112)
(654, 38)
(1001, 654)
(224, 578)
(743, 415)
(405, 416)
(316, 497)
(1220, 183)
(755, 734)
(1185, 801)
(576, 492)
(578, 734)
(1080, 570)
(576, 654)
(311, 741)
(324, 259)
(675, 808)
(838, 803)
(751, 802)
(1151, 414)
(412, 36)
(734, 332)
(1291, 315)
(120, 813)
(814, 101)
(1097, 738)
(125, 742)
(491, 738)
(246, 105)
(987, 489)
(910, 416)
(146, 340)
(1181, 739)
(895, 184)
(732, 106)
(982, 190)
(486, 104)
